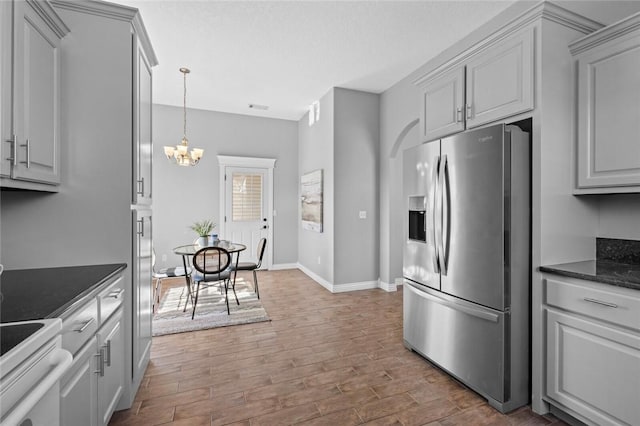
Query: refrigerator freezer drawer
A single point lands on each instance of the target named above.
(464, 339)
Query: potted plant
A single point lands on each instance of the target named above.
(203, 229)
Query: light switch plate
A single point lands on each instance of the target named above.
(363, 214)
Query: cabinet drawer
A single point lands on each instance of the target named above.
(80, 327)
(110, 299)
(619, 306)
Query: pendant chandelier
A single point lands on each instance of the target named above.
(181, 152)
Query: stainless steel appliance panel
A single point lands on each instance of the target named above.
(420, 165)
(472, 181)
(465, 339)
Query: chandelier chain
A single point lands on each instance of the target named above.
(184, 100)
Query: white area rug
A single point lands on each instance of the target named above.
(211, 311)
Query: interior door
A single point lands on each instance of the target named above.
(246, 211)
(472, 171)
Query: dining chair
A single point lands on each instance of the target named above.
(161, 274)
(211, 266)
(253, 266)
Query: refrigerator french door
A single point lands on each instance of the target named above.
(467, 281)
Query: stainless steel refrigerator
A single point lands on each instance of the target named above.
(466, 260)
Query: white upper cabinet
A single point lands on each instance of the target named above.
(500, 80)
(442, 105)
(494, 83)
(31, 95)
(142, 127)
(608, 144)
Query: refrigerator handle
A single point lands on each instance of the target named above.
(433, 214)
(469, 310)
(441, 215)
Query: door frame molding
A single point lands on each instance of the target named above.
(225, 161)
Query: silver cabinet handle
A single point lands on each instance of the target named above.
(468, 110)
(600, 302)
(141, 227)
(107, 359)
(116, 293)
(141, 186)
(84, 326)
(458, 115)
(14, 150)
(100, 356)
(27, 146)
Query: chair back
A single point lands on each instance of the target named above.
(211, 260)
(262, 244)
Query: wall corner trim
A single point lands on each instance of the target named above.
(317, 278)
(388, 287)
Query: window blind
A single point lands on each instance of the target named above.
(246, 198)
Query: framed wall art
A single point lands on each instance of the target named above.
(311, 200)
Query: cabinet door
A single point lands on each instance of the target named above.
(111, 384)
(142, 292)
(6, 128)
(608, 112)
(78, 388)
(142, 125)
(442, 100)
(36, 97)
(593, 369)
(500, 80)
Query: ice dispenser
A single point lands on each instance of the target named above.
(417, 218)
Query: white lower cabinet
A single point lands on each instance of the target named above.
(111, 376)
(593, 352)
(78, 389)
(92, 388)
(94, 334)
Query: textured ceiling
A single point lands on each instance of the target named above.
(287, 54)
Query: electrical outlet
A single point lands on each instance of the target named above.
(363, 214)
(164, 257)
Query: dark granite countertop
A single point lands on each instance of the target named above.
(31, 294)
(603, 271)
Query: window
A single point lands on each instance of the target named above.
(246, 198)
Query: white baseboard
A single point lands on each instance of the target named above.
(339, 288)
(362, 285)
(399, 281)
(281, 266)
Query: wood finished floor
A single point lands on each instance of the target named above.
(324, 359)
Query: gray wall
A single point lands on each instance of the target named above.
(619, 216)
(356, 160)
(399, 108)
(316, 151)
(345, 144)
(89, 220)
(182, 195)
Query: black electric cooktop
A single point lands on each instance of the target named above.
(12, 335)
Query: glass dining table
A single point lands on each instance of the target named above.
(187, 251)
